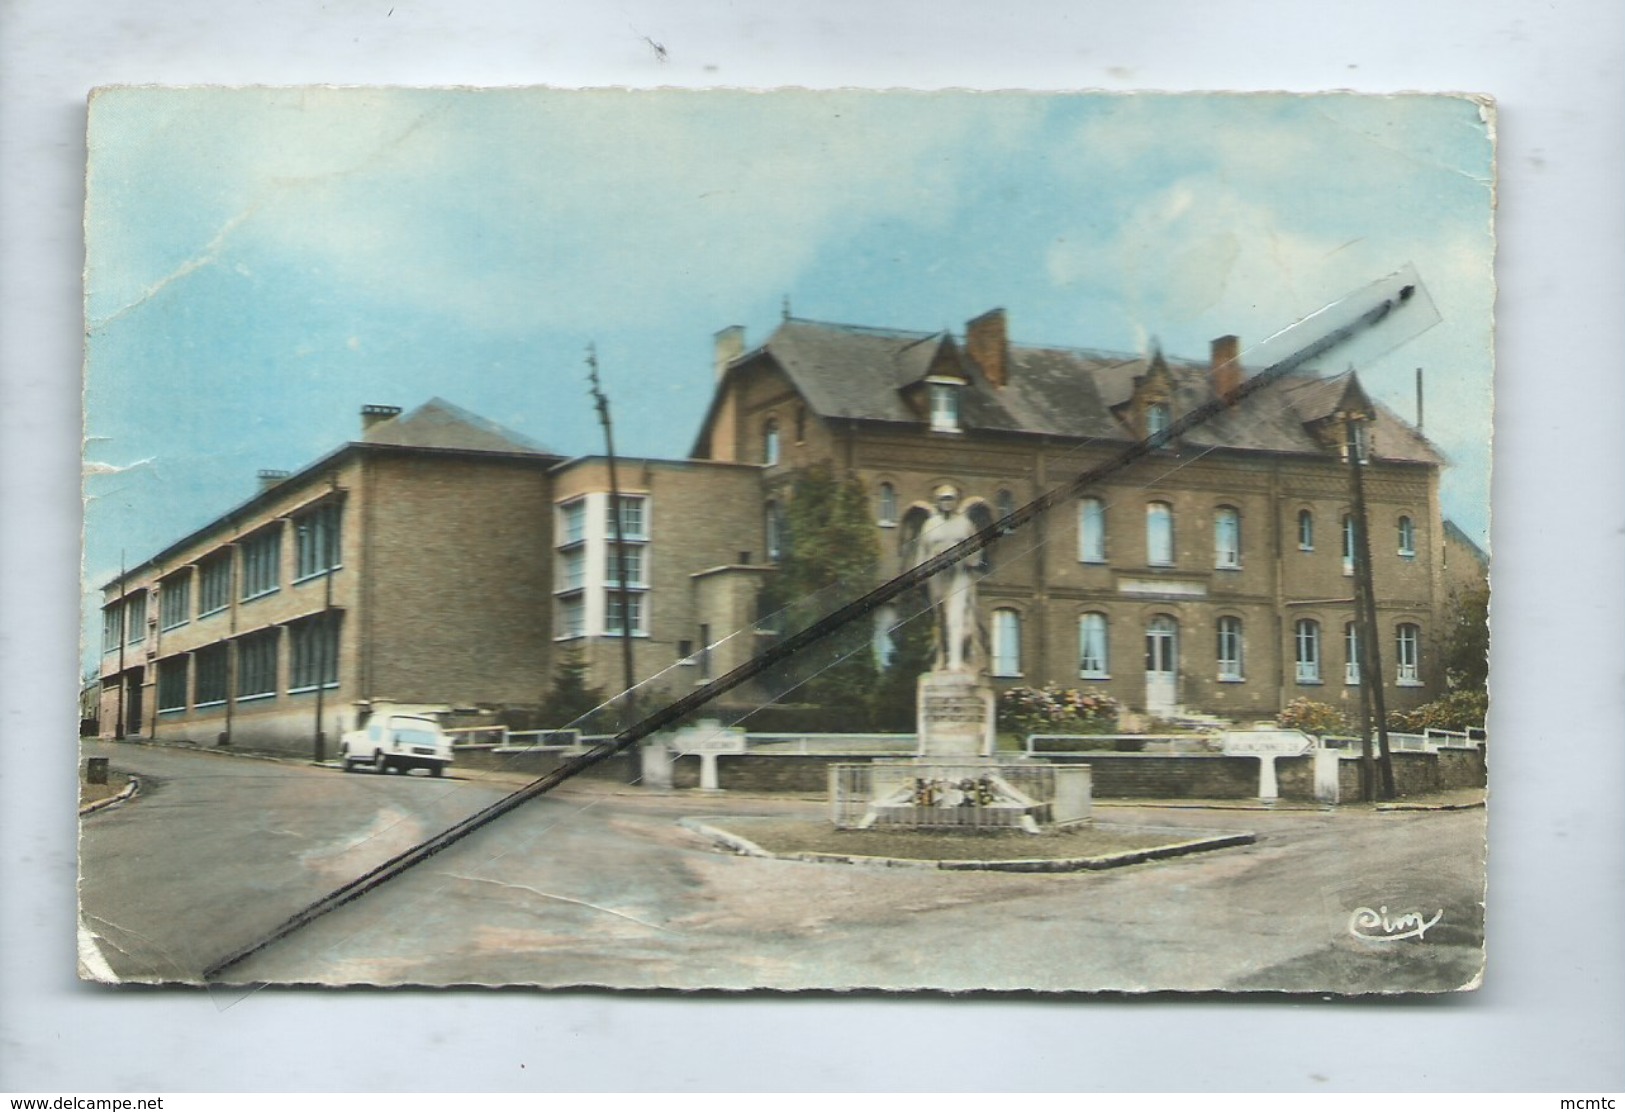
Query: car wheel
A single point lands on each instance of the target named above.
(380, 764)
(437, 770)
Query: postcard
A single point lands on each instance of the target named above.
(786, 540)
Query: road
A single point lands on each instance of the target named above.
(599, 885)
(217, 850)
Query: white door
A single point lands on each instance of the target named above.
(1162, 666)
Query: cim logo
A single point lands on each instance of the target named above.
(1382, 926)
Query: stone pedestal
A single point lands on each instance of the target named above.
(954, 711)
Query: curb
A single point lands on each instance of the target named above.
(747, 848)
(113, 800)
(1476, 805)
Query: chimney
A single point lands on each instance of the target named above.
(1225, 367)
(268, 479)
(373, 414)
(988, 344)
(730, 345)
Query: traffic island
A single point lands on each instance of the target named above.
(1075, 849)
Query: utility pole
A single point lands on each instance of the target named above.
(119, 628)
(629, 698)
(323, 519)
(1365, 595)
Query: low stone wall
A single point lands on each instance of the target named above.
(1116, 775)
(536, 762)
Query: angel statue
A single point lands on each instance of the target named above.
(952, 591)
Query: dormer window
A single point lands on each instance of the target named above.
(1157, 419)
(945, 406)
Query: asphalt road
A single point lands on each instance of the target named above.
(216, 851)
(600, 886)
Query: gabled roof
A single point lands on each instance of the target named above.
(438, 423)
(857, 373)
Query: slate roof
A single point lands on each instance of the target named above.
(438, 423)
(857, 373)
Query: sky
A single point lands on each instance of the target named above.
(263, 262)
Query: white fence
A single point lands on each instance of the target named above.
(1430, 741)
(832, 744)
(1079, 745)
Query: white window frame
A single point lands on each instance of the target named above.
(1348, 530)
(112, 626)
(1306, 530)
(1351, 654)
(1407, 536)
(572, 611)
(637, 561)
(1159, 535)
(1227, 549)
(1094, 646)
(1408, 637)
(944, 402)
(770, 443)
(635, 601)
(572, 522)
(773, 532)
(1306, 653)
(1091, 531)
(887, 497)
(1158, 416)
(1006, 642)
(1230, 649)
(634, 517)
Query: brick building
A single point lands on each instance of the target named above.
(443, 559)
(1214, 577)
(439, 559)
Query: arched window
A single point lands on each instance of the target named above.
(1407, 537)
(1306, 531)
(1157, 418)
(1307, 636)
(773, 521)
(1092, 647)
(1410, 646)
(1226, 537)
(1159, 534)
(1006, 642)
(770, 442)
(1229, 649)
(1348, 544)
(887, 512)
(1092, 531)
(1351, 652)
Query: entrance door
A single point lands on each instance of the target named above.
(1162, 666)
(133, 680)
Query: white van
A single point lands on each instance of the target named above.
(399, 741)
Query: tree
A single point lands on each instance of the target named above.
(570, 698)
(1465, 643)
(830, 557)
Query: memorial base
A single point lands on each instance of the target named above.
(983, 794)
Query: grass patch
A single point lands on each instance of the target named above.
(94, 793)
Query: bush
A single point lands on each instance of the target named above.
(1460, 710)
(1313, 718)
(1056, 710)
